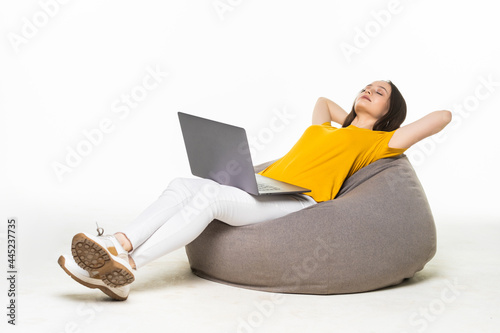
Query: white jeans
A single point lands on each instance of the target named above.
(188, 205)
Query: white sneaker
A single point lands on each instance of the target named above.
(103, 256)
(84, 278)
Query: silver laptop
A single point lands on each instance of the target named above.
(221, 152)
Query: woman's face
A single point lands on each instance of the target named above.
(374, 99)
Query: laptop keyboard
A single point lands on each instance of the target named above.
(267, 187)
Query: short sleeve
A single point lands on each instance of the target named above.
(328, 124)
(383, 149)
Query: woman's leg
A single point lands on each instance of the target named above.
(187, 207)
(175, 196)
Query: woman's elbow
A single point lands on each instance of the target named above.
(445, 117)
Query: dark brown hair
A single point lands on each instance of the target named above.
(392, 119)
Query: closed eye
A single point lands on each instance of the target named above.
(378, 92)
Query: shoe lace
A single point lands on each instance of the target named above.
(100, 230)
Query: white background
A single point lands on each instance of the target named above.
(240, 66)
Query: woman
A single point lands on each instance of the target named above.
(321, 160)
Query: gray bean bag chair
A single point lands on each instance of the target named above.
(378, 231)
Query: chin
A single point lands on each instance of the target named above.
(363, 108)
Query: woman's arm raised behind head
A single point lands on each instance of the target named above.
(408, 135)
(325, 110)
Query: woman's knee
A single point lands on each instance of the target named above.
(199, 195)
(189, 187)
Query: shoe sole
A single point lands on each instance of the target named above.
(91, 256)
(62, 262)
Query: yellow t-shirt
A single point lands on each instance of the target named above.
(325, 156)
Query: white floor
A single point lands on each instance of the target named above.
(456, 292)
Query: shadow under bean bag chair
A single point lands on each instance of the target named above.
(378, 231)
